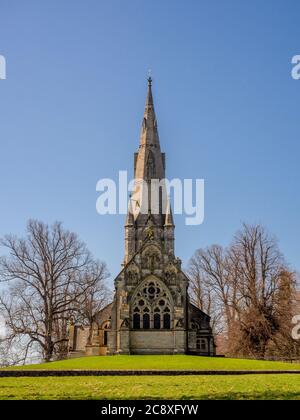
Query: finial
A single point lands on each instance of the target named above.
(149, 77)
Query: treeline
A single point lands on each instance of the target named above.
(47, 279)
(250, 294)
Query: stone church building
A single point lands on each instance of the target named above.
(151, 312)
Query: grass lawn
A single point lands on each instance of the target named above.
(157, 387)
(162, 363)
(145, 387)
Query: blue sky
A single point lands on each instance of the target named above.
(227, 107)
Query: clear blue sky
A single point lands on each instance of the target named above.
(227, 107)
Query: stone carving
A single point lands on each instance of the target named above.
(125, 324)
(149, 232)
(124, 298)
(133, 274)
(178, 263)
(171, 273)
(151, 258)
(180, 323)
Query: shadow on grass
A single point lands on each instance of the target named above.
(221, 397)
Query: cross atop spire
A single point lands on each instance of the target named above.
(149, 101)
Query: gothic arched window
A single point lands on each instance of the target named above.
(157, 321)
(136, 321)
(146, 321)
(105, 327)
(152, 306)
(167, 321)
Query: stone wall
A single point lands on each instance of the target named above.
(156, 342)
(81, 335)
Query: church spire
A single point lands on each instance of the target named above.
(149, 133)
(149, 160)
(148, 203)
(149, 101)
(149, 171)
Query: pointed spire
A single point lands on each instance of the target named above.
(169, 221)
(149, 101)
(149, 159)
(149, 162)
(149, 133)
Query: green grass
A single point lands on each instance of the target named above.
(162, 363)
(145, 387)
(157, 387)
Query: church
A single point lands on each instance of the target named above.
(151, 312)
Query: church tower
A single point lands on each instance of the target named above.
(151, 312)
(149, 206)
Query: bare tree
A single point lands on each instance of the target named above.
(249, 291)
(202, 294)
(213, 285)
(44, 272)
(265, 289)
(95, 297)
(13, 351)
(259, 263)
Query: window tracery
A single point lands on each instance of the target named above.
(152, 307)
